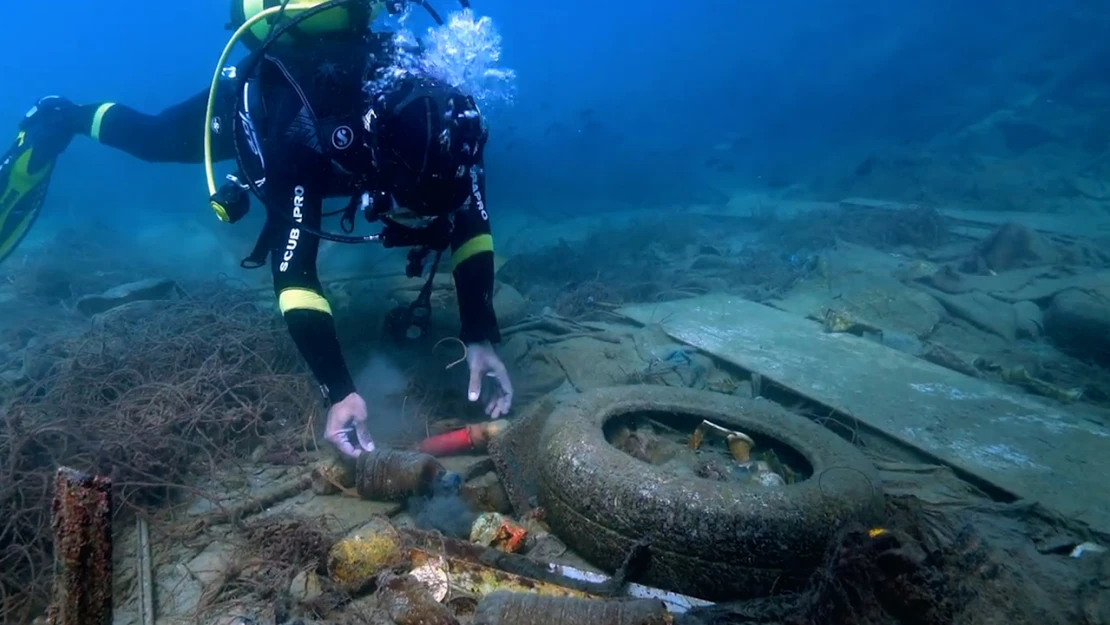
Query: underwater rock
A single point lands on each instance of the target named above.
(982, 311)
(873, 307)
(509, 305)
(1088, 186)
(915, 270)
(537, 372)
(143, 290)
(900, 341)
(710, 262)
(14, 377)
(947, 280)
(1015, 246)
(1078, 321)
(305, 587)
(1030, 320)
(485, 493)
(126, 313)
(1007, 132)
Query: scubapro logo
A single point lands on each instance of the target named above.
(342, 137)
(294, 233)
(476, 194)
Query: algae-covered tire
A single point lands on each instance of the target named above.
(711, 539)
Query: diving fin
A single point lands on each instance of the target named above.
(25, 171)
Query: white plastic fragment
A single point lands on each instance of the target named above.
(676, 603)
(434, 576)
(1087, 547)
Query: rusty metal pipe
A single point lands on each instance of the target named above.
(82, 522)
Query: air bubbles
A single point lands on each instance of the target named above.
(464, 52)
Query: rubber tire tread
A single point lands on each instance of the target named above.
(715, 540)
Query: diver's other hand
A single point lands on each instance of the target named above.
(348, 416)
(484, 361)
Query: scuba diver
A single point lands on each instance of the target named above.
(302, 124)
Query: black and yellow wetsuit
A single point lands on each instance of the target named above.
(311, 148)
(305, 119)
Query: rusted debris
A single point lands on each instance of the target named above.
(82, 522)
(526, 608)
(449, 577)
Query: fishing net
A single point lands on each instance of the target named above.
(156, 396)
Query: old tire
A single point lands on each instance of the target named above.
(714, 540)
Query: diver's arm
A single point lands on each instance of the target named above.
(472, 254)
(295, 194)
(176, 135)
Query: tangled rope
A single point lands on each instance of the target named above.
(156, 396)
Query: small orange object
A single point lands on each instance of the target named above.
(456, 442)
(499, 532)
(510, 537)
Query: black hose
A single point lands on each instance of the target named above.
(250, 65)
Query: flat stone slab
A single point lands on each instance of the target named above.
(1032, 448)
(1067, 225)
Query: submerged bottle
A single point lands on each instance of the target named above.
(391, 475)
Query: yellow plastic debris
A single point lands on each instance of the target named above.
(357, 560)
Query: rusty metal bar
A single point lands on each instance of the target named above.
(82, 549)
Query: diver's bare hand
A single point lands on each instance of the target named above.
(345, 417)
(484, 362)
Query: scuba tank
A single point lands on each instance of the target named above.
(352, 18)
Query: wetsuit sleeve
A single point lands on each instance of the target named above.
(472, 255)
(173, 136)
(294, 196)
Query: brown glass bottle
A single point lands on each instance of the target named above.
(391, 475)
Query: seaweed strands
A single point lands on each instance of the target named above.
(83, 549)
(516, 608)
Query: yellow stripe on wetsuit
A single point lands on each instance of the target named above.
(302, 299)
(98, 120)
(306, 299)
(473, 247)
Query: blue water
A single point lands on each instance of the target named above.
(809, 88)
